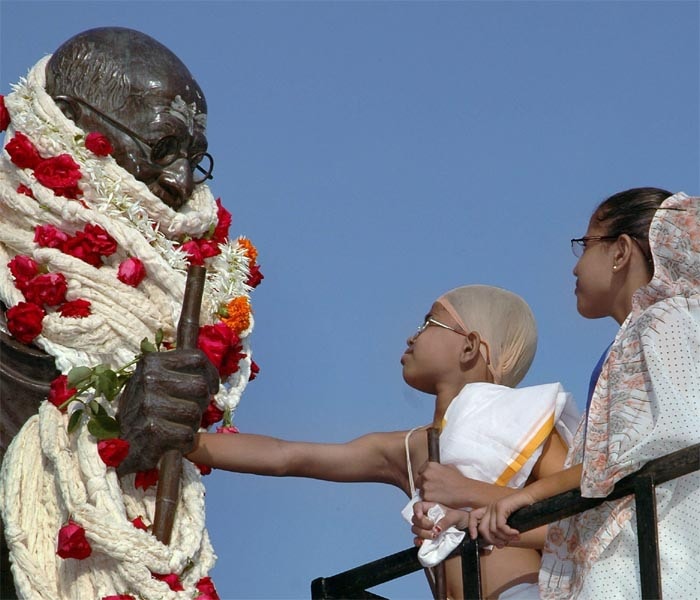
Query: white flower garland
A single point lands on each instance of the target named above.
(59, 476)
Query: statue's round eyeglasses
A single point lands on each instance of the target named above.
(163, 152)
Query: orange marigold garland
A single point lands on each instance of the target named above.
(250, 250)
(237, 314)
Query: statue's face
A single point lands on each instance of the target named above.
(158, 138)
(176, 143)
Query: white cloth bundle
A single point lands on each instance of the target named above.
(495, 434)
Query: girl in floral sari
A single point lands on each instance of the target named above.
(640, 264)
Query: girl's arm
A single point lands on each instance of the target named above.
(373, 458)
(490, 521)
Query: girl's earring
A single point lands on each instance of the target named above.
(614, 267)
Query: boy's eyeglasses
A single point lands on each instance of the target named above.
(163, 152)
(430, 321)
(578, 245)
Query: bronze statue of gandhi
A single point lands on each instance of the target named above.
(137, 93)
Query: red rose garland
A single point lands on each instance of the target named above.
(59, 391)
(24, 321)
(22, 152)
(98, 144)
(131, 272)
(72, 542)
(145, 479)
(4, 115)
(113, 451)
(77, 309)
(48, 289)
(208, 592)
(171, 579)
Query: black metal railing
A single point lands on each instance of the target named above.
(356, 582)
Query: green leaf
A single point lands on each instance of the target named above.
(103, 427)
(159, 338)
(107, 384)
(147, 346)
(78, 374)
(74, 420)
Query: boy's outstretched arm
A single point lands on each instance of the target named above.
(375, 457)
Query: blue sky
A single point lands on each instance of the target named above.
(379, 154)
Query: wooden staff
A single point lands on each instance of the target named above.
(440, 587)
(171, 464)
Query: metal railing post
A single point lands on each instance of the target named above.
(647, 537)
(471, 570)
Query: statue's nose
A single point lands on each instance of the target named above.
(176, 182)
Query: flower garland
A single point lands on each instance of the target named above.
(91, 263)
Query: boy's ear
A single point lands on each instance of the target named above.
(470, 347)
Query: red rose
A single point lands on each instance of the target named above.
(24, 321)
(171, 579)
(104, 243)
(255, 276)
(212, 414)
(131, 272)
(23, 189)
(4, 115)
(203, 469)
(209, 248)
(208, 592)
(113, 451)
(98, 144)
(81, 247)
(194, 253)
(22, 152)
(77, 309)
(72, 542)
(59, 173)
(119, 597)
(139, 524)
(23, 269)
(254, 370)
(59, 391)
(222, 224)
(145, 479)
(227, 429)
(49, 289)
(48, 236)
(222, 347)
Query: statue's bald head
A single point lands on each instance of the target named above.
(114, 66)
(138, 82)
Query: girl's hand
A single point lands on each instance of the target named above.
(490, 521)
(425, 529)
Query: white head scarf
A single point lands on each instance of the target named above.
(505, 323)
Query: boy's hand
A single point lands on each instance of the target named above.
(424, 528)
(441, 483)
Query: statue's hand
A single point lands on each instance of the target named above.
(161, 406)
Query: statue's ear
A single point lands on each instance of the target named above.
(69, 107)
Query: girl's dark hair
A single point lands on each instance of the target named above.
(631, 212)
